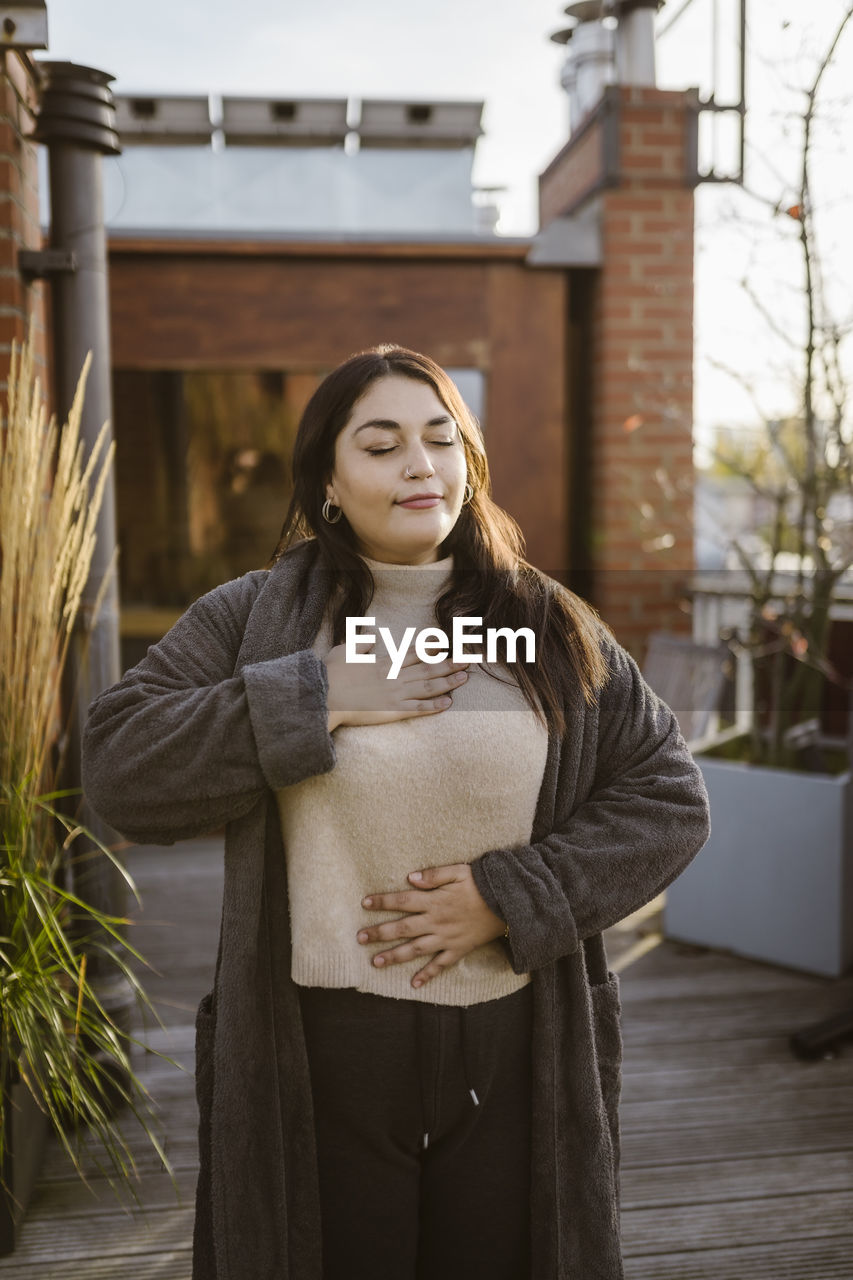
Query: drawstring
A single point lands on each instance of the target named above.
(464, 1041)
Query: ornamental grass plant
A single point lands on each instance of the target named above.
(55, 1035)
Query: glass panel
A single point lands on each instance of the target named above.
(472, 387)
(202, 476)
(203, 481)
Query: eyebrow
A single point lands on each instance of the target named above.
(389, 424)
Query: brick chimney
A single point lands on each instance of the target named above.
(629, 168)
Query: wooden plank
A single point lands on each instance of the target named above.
(691, 1054)
(774, 1014)
(719, 1081)
(181, 1150)
(722, 976)
(176, 1038)
(104, 1235)
(167, 1082)
(172, 1264)
(702, 1141)
(749, 1221)
(816, 1101)
(784, 1260)
(809, 996)
(676, 957)
(736, 1179)
(69, 1197)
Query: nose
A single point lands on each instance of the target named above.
(417, 462)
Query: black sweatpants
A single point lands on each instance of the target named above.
(422, 1113)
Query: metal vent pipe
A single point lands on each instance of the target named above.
(76, 122)
(635, 41)
(589, 65)
(608, 41)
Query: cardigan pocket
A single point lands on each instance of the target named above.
(606, 1009)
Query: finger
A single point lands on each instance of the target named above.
(406, 951)
(433, 877)
(441, 961)
(410, 900)
(431, 686)
(425, 706)
(444, 668)
(403, 927)
(443, 684)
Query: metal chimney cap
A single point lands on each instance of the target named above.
(77, 107)
(67, 74)
(596, 10)
(623, 7)
(589, 10)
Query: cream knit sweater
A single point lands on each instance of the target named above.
(412, 794)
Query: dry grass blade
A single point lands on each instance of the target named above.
(53, 1031)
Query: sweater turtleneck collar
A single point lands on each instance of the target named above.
(410, 584)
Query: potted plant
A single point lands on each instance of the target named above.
(775, 881)
(64, 1064)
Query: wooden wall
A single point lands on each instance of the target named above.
(229, 305)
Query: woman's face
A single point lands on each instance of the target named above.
(398, 424)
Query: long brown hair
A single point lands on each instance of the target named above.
(491, 578)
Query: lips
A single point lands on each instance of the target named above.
(418, 500)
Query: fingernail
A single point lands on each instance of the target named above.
(379, 961)
(416, 875)
(417, 983)
(367, 902)
(362, 937)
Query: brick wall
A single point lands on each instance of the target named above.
(641, 404)
(19, 211)
(306, 306)
(578, 170)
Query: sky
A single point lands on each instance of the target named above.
(496, 51)
(499, 51)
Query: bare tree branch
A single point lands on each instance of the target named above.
(767, 316)
(809, 512)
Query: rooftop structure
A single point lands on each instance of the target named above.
(303, 167)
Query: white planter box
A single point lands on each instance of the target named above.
(775, 880)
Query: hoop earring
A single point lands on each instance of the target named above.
(327, 505)
(469, 493)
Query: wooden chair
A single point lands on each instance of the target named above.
(690, 678)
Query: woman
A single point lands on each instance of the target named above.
(410, 1062)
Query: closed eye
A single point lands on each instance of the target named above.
(390, 448)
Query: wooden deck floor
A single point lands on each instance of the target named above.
(737, 1158)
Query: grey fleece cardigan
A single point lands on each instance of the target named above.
(230, 706)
